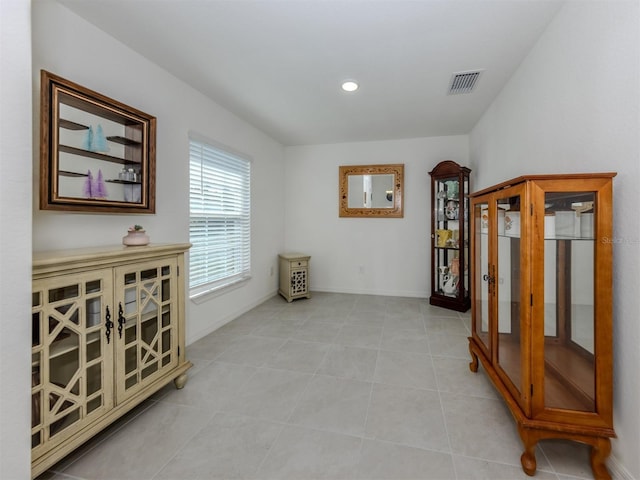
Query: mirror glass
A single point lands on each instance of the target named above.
(371, 190)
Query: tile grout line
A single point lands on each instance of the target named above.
(185, 443)
(444, 416)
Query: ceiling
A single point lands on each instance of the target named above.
(278, 64)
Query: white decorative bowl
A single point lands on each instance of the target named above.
(136, 239)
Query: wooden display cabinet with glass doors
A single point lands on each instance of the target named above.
(542, 306)
(450, 236)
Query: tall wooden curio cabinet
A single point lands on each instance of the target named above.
(541, 254)
(450, 236)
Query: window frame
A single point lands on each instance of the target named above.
(235, 211)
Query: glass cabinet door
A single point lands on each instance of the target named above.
(447, 237)
(507, 281)
(146, 324)
(72, 338)
(450, 236)
(569, 299)
(498, 251)
(464, 244)
(482, 300)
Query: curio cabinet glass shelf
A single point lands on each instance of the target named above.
(450, 236)
(542, 306)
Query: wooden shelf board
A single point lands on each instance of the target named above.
(124, 182)
(123, 140)
(96, 155)
(568, 375)
(66, 173)
(573, 372)
(64, 346)
(69, 125)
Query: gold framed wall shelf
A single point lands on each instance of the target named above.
(96, 154)
(371, 191)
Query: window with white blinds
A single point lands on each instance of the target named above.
(219, 218)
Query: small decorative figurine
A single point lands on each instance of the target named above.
(87, 188)
(87, 140)
(99, 141)
(99, 189)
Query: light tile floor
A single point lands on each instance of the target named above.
(333, 387)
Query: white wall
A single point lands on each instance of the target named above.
(15, 239)
(382, 256)
(97, 61)
(573, 106)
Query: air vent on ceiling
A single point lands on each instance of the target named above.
(463, 82)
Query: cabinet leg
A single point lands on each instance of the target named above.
(180, 381)
(600, 450)
(473, 366)
(528, 457)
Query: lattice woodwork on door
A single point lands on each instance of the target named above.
(149, 325)
(68, 358)
(298, 282)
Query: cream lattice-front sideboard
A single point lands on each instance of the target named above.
(108, 330)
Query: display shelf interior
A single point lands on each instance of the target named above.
(97, 155)
(64, 346)
(145, 317)
(556, 237)
(569, 378)
(123, 182)
(69, 125)
(570, 375)
(565, 237)
(123, 140)
(66, 173)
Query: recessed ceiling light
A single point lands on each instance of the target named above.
(349, 86)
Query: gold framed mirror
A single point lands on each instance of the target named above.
(371, 190)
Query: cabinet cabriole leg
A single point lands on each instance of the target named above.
(473, 366)
(528, 457)
(528, 461)
(180, 381)
(600, 450)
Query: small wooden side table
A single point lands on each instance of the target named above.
(294, 276)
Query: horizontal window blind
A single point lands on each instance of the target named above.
(219, 226)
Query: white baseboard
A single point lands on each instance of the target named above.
(617, 470)
(224, 320)
(385, 293)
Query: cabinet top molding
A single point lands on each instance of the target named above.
(558, 176)
(55, 260)
(449, 167)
